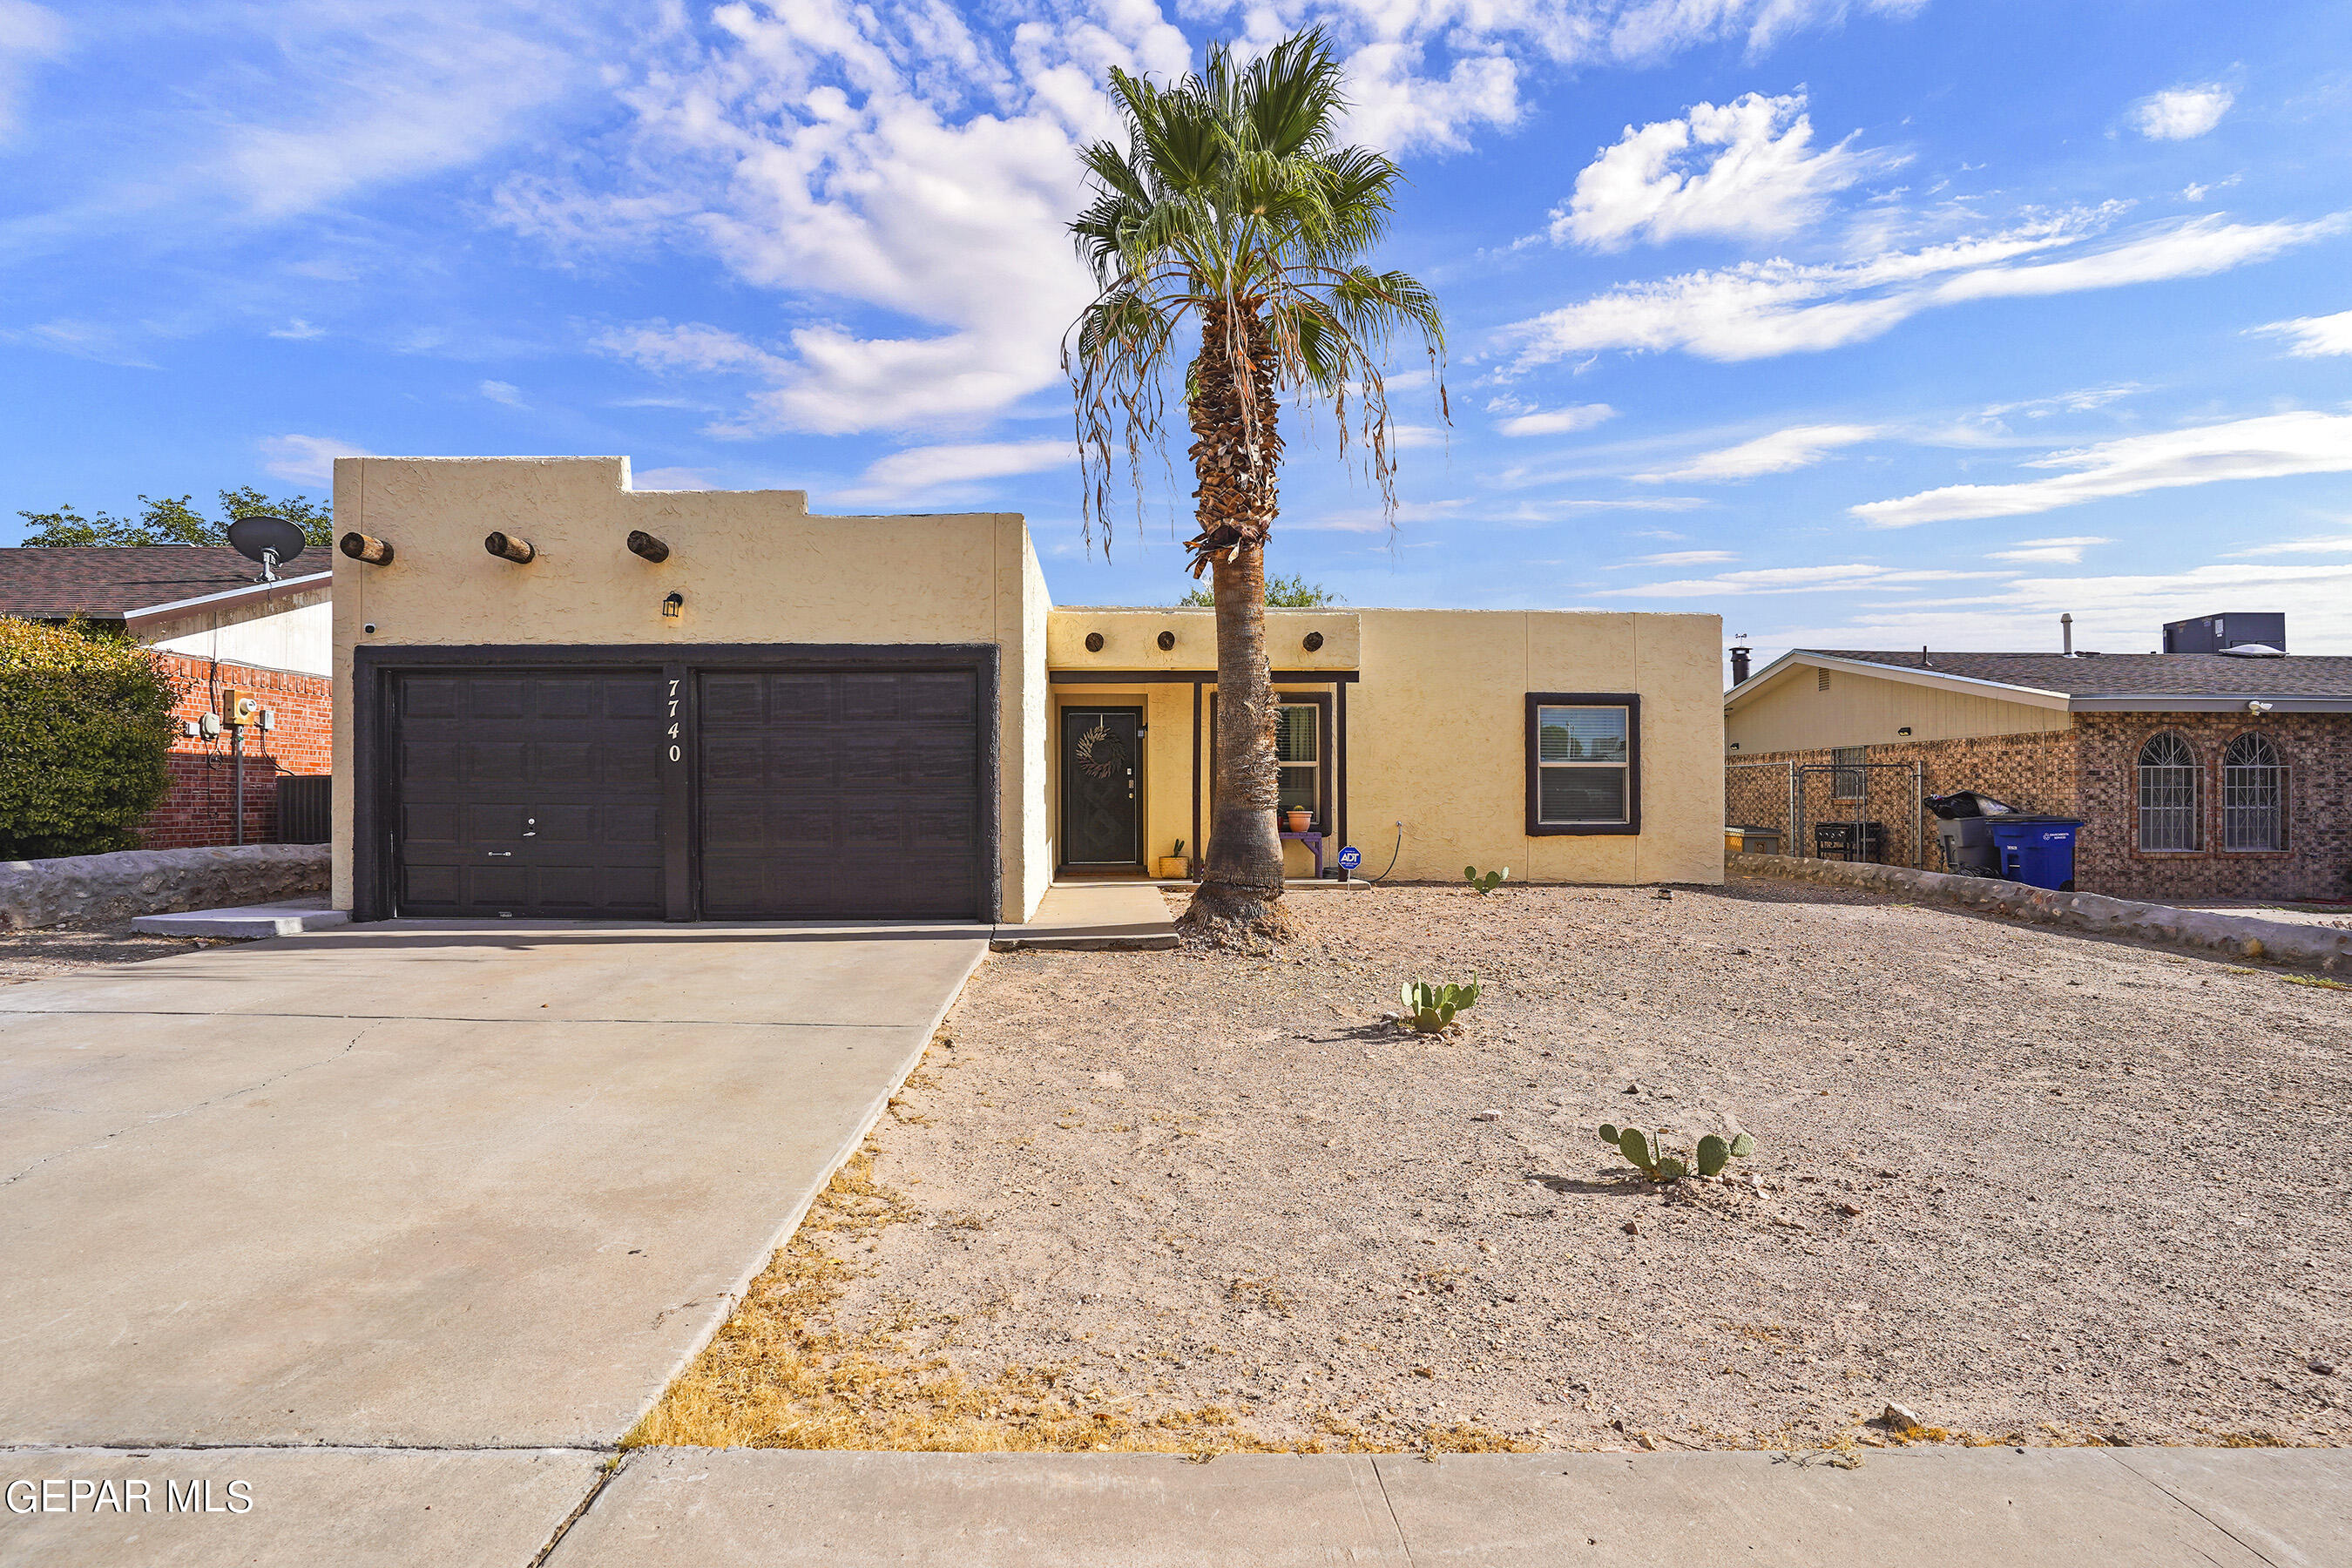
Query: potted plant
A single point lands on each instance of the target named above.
(1297, 819)
(1176, 865)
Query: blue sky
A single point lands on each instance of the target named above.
(1862, 323)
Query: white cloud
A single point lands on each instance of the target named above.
(949, 469)
(2119, 613)
(1556, 421)
(2339, 546)
(297, 330)
(310, 459)
(1746, 170)
(2270, 446)
(1797, 580)
(503, 391)
(29, 35)
(2180, 114)
(1798, 446)
(2067, 551)
(2316, 336)
(905, 173)
(1760, 308)
(1676, 558)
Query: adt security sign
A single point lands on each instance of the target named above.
(1350, 858)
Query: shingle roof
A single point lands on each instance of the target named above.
(104, 580)
(2132, 674)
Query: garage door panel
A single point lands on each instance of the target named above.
(431, 823)
(796, 700)
(494, 763)
(496, 698)
(530, 793)
(866, 804)
(424, 697)
(432, 762)
(432, 885)
(731, 698)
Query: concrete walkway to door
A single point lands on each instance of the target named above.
(425, 1184)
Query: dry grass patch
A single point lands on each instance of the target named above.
(785, 1372)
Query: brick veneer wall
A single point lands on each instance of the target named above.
(2092, 771)
(2032, 772)
(2317, 862)
(199, 811)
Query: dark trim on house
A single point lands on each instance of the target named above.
(1340, 767)
(375, 819)
(1199, 854)
(1198, 676)
(1628, 700)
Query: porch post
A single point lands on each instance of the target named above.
(1339, 761)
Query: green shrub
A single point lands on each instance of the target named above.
(85, 726)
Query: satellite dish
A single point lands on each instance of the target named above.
(266, 538)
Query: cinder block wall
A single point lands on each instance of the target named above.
(200, 810)
(2317, 862)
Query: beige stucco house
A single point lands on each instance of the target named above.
(710, 704)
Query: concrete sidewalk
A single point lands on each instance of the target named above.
(1965, 1508)
(1999, 1507)
(423, 1184)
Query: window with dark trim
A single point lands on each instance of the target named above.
(1846, 784)
(1584, 762)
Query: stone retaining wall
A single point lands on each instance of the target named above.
(101, 888)
(2196, 931)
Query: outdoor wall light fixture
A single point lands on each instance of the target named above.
(1904, 730)
(1167, 641)
(1094, 642)
(1311, 642)
(673, 606)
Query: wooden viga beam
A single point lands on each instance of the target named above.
(365, 547)
(645, 544)
(508, 547)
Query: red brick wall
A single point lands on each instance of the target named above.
(199, 811)
(2091, 773)
(2317, 862)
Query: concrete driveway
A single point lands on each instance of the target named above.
(423, 1184)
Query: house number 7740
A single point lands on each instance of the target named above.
(673, 752)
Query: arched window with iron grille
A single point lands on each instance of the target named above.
(2253, 796)
(2168, 793)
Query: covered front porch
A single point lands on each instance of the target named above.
(1134, 714)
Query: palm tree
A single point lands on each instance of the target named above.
(1234, 202)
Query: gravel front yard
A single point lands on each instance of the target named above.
(2036, 1187)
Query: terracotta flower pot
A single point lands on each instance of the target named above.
(1297, 821)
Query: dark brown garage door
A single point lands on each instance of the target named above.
(529, 794)
(841, 794)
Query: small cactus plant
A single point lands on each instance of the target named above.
(1430, 1008)
(1647, 1152)
(1484, 882)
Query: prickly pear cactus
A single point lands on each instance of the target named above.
(1484, 882)
(1429, 1008)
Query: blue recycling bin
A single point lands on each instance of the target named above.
(2038, 851)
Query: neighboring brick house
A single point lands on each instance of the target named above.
(2199, 777)
(217, 629)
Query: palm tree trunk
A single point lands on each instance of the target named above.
(1236, 456)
